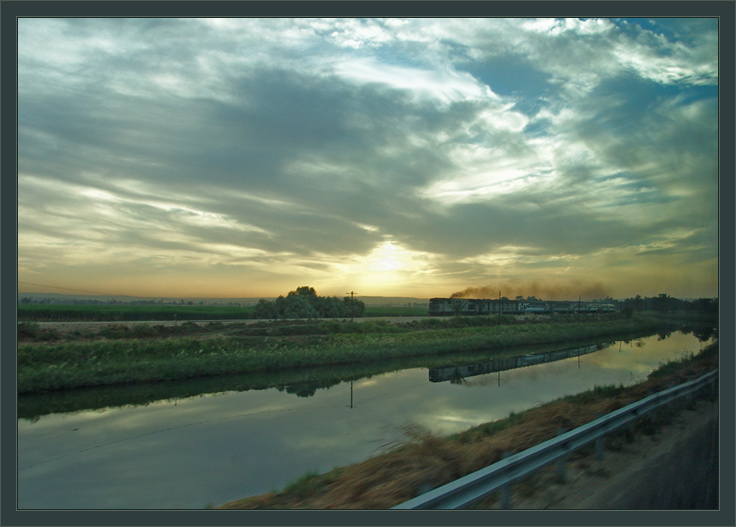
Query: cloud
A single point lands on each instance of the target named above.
(286, 147)
(444, 86)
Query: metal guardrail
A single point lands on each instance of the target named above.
(499, 476)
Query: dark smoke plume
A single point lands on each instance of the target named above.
(567, 291)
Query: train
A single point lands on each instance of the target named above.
(488, 307)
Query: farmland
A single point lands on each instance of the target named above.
(127, 312)
(112, 313)
(116, 354)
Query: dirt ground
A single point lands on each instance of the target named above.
(674, 468)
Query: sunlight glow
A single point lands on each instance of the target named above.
(388, 266)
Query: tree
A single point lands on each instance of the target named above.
(305, 303)
(352, 307)
(304, 291)
(295, 306)
(265, 309)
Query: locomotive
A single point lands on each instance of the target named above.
(484, 306)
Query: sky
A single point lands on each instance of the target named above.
(422, 157)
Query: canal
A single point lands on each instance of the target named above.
(204, 450)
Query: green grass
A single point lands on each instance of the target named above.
(102, 313)
(304, 485)
(74, 364)
(396, 311)
(125, 312)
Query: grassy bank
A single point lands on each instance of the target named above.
(425, 461)
(303, 382)
(74, 364)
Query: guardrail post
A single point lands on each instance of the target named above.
(506, 489)
(600, 448)
(631, 430)
(600, 445)
(690, 401)
(561, 461)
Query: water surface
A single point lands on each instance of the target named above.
(209, 449)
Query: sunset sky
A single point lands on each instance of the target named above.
(392, 157)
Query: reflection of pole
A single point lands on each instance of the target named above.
(619, 346)
(351, 394)
(499, 377)
(578, 358)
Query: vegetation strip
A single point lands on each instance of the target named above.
(75, 364)
(426, 461)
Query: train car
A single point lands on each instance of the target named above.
(459, 306)
(488, 307)
(535, 307)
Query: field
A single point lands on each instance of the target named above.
(120, 313)
(118, 354)
(395, 311)
(113, 313)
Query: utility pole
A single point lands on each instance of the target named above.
(351, 293)
(499, 306)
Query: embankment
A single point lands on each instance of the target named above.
(121, 359)
(427, 461)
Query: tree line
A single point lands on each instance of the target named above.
(667, 304)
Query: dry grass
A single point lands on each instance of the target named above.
(424, 461)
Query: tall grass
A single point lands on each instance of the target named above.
(73, 364)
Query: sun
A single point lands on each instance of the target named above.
(390, 265)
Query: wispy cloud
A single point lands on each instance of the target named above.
(415, 156)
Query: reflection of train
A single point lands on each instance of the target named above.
(450, 373)
(474, 306)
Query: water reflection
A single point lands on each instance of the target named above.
(456, 374)
(303, 383)
(187, 452)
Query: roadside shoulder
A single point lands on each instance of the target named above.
(676, 467)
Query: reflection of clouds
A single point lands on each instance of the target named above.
(249, 442)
